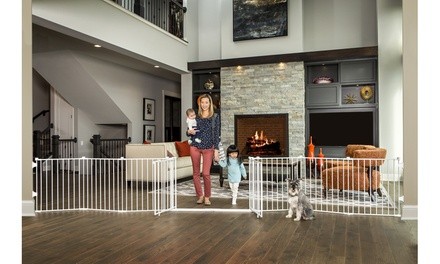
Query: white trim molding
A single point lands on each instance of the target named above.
(410, 212)
(27, 208)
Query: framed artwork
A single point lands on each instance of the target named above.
(259, 19)
(149, 133)
(149, 109)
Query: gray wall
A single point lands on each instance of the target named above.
(40, 101)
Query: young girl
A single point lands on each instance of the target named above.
(235, 170)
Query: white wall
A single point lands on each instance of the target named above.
(108, 24)
(191, 32)
(210, 41)
(312, 25)
(291, 43)
(338, 24)
(390, 77)
(84, 131)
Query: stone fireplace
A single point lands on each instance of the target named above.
(265, 90)
(262, 135)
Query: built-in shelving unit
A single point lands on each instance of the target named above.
(207, 81)
(343, 96)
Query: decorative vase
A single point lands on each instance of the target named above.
(320, 158)
(311, 149)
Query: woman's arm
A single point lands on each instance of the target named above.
(190, 132)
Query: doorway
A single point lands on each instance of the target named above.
(63, 116)
(172, 118)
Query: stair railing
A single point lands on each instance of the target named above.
(109, 148)
(41, 143)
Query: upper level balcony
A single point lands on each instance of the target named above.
(166, 14)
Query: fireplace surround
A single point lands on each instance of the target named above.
(265, 89)
(262, 134)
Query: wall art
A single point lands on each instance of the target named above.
(259, 19)
(149, 109)
(149, 133)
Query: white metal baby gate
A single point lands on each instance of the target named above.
(347, 189)
(133, 185)
(105, 184)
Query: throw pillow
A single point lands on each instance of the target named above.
(182, 148)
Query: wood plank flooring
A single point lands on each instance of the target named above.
(215, 237)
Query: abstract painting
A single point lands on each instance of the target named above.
(255, 19)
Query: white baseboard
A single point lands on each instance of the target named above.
(409, 212)
(391, 177)
(28, 208)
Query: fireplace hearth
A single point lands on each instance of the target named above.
(264, 135)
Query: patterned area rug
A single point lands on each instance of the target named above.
(186, 188)
(277, 191)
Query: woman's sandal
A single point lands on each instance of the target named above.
(207, 202)
(200, 200)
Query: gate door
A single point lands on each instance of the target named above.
(164, 185)
(256, 186)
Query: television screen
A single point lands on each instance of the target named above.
(342, 128)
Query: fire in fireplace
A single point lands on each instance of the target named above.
(262, 135)
(259, 145)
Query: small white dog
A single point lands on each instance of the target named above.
(299, 202)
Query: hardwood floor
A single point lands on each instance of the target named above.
(215, 237)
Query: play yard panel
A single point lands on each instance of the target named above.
(345, 191)
(119, 185)
(104, 184)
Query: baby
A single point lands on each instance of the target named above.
(191, 122)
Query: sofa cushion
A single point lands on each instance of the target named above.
(184, 162)
(182, 148)
(170, 148)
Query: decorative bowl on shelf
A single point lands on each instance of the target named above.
(209, 85)
(367, 92)
(322, 80)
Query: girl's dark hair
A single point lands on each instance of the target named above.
(230, 149)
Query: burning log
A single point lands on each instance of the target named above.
(260, 145)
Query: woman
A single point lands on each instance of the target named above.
(209, 134)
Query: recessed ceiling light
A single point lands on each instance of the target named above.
(97, 46)
(156, 66)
